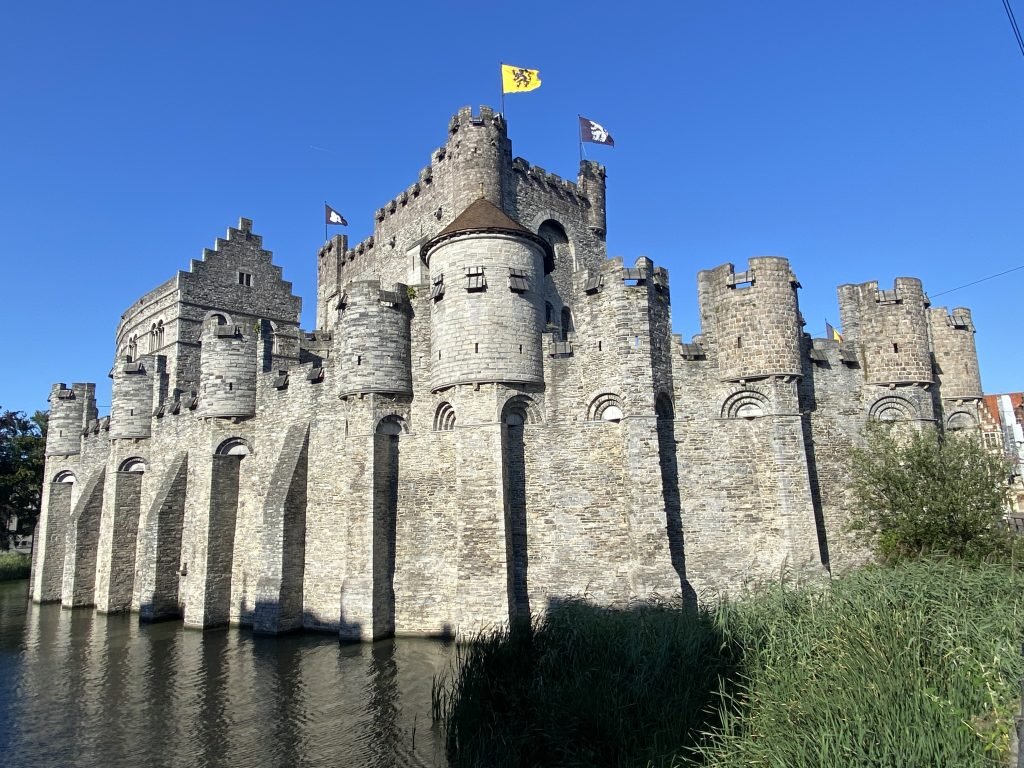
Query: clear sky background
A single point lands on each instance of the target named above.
(862, 140)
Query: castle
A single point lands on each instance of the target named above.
(491, 414)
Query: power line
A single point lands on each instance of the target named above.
(982, 280)
(1013, 23)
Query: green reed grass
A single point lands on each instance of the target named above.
(909, 666)
(14, 566)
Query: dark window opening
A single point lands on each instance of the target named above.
(517, 280)
(245, 278)
(475, 280)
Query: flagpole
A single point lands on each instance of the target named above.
(579, 133)
(501, 79)
(325, 221)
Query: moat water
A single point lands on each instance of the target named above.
(81, 689)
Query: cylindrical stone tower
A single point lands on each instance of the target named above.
(131, 404)
(955, 354)
(891, 329)
(753, 317)
(591, 181)
(372, 338)
(486, 274)
(481, 155)
(227, 375)
(70, 410)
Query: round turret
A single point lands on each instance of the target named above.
(131, 404)
(70, 410)
(956, 358)
(486, 275)
(754, 318)
(373, 339)
(481, 155)
(891, 329)
(227, 374)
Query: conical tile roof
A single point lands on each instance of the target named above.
(484, 216)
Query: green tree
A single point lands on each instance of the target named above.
(22, 451)
(921, 493)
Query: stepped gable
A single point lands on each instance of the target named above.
(485, 217)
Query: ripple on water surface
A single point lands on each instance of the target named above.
(81, 689)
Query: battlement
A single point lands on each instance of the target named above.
(613, 272)
(486, 117)
(903, 289)
(537, 175)
(760, 271)
(958, 318)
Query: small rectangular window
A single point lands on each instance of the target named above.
(245, 278)
(517, 280)
(475, 280)
(437, 289)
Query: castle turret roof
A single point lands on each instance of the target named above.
(485, 217)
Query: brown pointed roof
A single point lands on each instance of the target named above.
(484, 216)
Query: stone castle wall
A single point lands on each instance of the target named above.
(435, 461)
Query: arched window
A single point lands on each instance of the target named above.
(549, 313)
(213, 319)
(519, 410)
(606, 407)
(234, 446)
(134, 464)
(566, 323)
(893, 408)
(444, 418)
(390, 425)
(133, 348)
(554, 233)
(745, 405)
(160, 334)
(65, 476)
(961, 420)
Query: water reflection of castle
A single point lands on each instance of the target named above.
(490, 414)
(105, 691)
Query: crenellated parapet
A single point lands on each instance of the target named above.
(890, 329)
(753, 318)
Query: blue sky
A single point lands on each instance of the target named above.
(862, 140)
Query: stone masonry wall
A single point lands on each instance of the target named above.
(348, 480)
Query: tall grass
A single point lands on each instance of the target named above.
(913, 665)
(909, 666)
(585, 686)
(14, 566)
